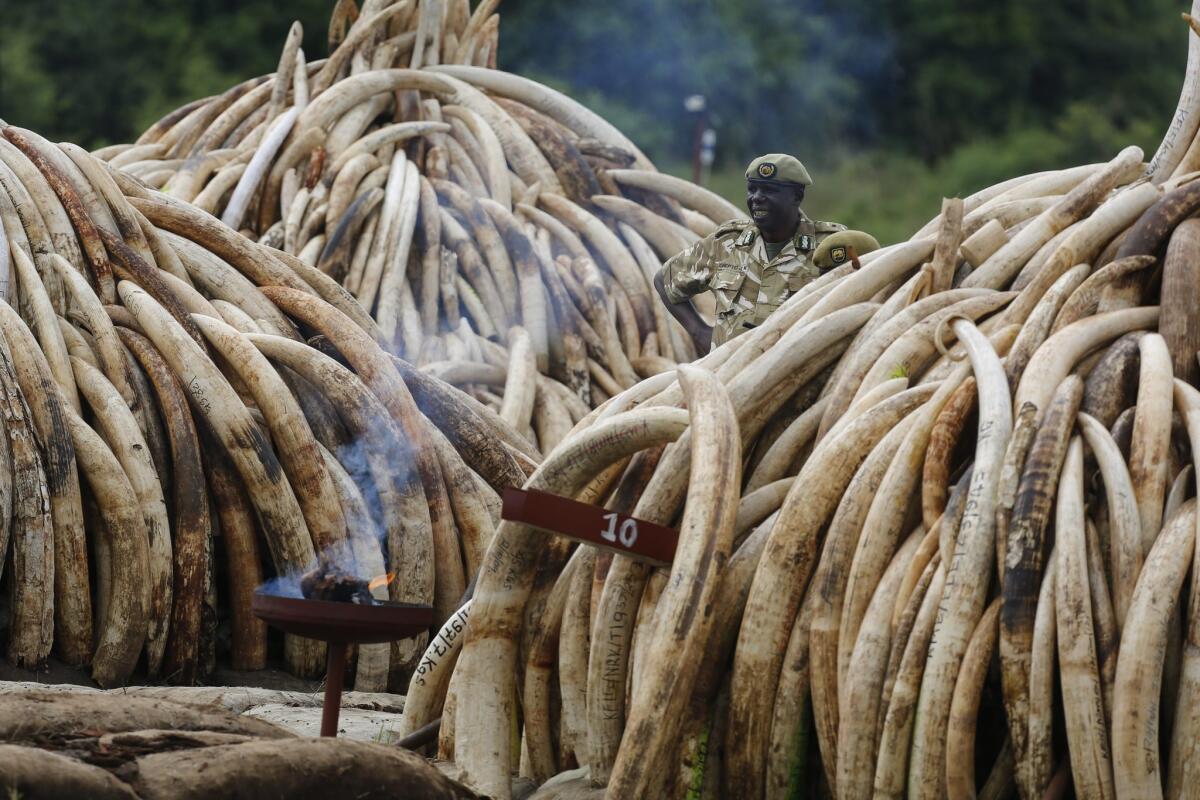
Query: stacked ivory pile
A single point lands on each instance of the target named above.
(159, 395)
(941, 505)
(453, 200)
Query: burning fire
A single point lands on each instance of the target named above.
(381, 580)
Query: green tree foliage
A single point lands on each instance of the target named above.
(966, 68)
(792, 71)
(922, 75)
(101, 71)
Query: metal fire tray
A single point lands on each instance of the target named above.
(348, 623)
(340, 624)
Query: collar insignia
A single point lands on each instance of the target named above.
(806, 242)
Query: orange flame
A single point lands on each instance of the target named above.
(381, 580)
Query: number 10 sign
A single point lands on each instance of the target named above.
(620, 533)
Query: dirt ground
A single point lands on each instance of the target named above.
(57, 673)
(267, 694)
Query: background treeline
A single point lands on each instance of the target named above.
(892, 104)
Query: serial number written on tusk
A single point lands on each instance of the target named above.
(442, 645)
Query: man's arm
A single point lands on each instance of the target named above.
(687, 316)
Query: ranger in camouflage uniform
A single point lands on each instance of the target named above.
(752, 266)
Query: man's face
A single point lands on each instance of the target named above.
(773, 206)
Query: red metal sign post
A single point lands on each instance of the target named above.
(620, 533)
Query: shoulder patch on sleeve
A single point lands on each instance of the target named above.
(732, 227)
(747, 237)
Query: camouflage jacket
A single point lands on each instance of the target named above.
(732, 263)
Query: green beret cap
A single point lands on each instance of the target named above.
(778, 168)
(835, 248)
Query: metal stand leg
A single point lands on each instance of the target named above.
(335, 673)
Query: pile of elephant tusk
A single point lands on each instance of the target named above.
(171, 435)
(454, 201)
(936, 516)
(959, 562)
